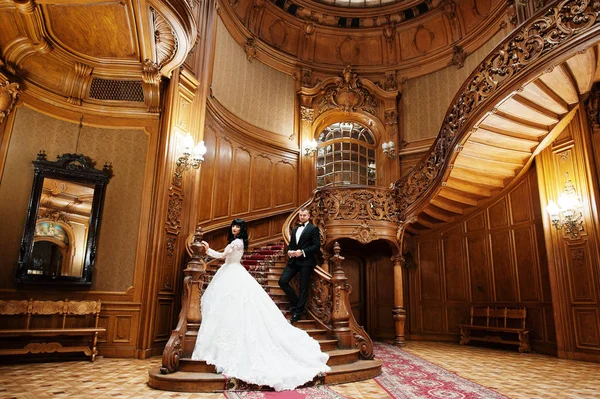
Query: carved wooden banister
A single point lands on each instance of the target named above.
(557, 32)
(182, 339)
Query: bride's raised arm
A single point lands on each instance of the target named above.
(235, 244)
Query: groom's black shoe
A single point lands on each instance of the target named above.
(295, 317)
(292, 309)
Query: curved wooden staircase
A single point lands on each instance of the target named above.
(514, 104)
(266, 264)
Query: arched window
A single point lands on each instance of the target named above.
(346, 155)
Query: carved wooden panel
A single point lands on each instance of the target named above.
(472, 12)
(455, 271)
(498, 214)
(479, 269)
(103, 322)
(582, 281)
(240, 191)
(528, 269)
(421, 39)
(222, 183)
(503, 270)
(354, 267)
(46, 72)
(123, 329)
(260, 229)
(429, 271)
(535, 322)
(262, 184)
(76, 27)
(587, 330)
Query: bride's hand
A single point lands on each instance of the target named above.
(205, 245)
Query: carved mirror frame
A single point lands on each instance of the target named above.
(76, 168)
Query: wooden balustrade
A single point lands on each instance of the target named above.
(183, 337)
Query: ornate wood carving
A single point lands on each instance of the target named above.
(354, 204)
(250, 49)
(364, 233)
(348, 95)
(320, 302)
(165, 39)
(78, 83)
(174, 211)
(521, 52)
(459, 56)
(9, 91)
(307, 114)
(592, 108)
(151, 85)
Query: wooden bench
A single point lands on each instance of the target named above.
(27, 324)
(502, 325)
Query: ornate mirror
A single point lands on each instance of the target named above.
(61, 232)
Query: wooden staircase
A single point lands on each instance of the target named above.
(266, 264)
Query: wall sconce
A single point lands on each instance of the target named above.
(389, 149)
(310, 147)
(192, 157)
(567, 214)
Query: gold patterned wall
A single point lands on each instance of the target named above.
(252, 91)
(125, 149)
(425, 99)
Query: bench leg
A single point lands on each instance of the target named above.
(524, 342)
(464, 336)
(94, 350)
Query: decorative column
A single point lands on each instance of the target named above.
(183, 337)
(341, 301)
(399, 312)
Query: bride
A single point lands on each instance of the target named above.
(244, 334)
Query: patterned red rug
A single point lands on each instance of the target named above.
(406, 376)
(320, 392)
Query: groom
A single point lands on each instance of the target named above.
(305, 243)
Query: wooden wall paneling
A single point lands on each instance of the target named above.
(456, 314)
(433, 318)
(455, 273)
(503, 267)
(223, 171)
(242, 181)
(520, 203)
(207, 174)
(261, 229)
(479, 270)
(425, 37)
(574, 262)
(262, 182)
(429, 271)
(122, 323)
(582, 281)
(285, 181)
(476, 223)
(498, 214)
(587, 331)
(528, 276)
(164, 317)
(382, 299)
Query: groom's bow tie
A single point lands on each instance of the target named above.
(302, 225)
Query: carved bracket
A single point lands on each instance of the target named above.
(151, 85)
(78, 82)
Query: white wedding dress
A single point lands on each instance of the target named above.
(245, 335)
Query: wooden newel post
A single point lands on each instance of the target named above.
(183, 337)
(341, 301)
(399, 312)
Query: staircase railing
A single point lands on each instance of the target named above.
(183, 337)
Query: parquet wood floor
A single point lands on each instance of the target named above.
(515, 375)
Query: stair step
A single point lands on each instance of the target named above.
(185, 381)
(316, 333)
(275, 290)
(342, 356)
(305, 324)
(328, 344)
(357, 371)
(196, 366)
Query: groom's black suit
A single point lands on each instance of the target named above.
(310, 244)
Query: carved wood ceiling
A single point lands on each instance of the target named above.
(412, 37)
(504, 142)
(103, 55)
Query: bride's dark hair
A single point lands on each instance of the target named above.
(243, 234)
